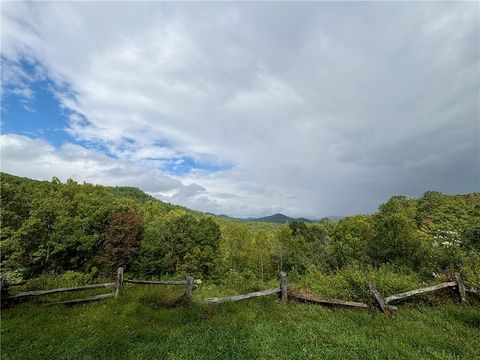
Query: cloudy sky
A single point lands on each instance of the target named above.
(245, 109)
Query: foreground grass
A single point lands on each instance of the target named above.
(139, 326)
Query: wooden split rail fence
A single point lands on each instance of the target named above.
(382, 303)
(283, 291)
(7, 298)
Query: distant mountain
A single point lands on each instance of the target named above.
(279, 218)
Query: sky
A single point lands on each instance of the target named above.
(245, 108)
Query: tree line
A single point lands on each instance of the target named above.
(52, 227)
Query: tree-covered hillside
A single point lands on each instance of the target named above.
(53, 227)
(49, 226)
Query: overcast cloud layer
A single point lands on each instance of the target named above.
(310, 109)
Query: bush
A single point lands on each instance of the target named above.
(240, 282)
(351, 283)
(67, 279)
(470, 269)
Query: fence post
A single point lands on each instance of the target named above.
(119, 281)
(283, 286)
(188, 293)
(460, 287)
(187, 297)
(4, 287)
(378, 298)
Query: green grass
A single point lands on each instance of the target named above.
(138, 325)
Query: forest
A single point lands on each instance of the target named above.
(50, 229)
(58, 234)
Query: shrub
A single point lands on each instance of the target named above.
(351, 283)
(67, 279)
(470, 268)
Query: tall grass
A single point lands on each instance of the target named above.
(141, 325)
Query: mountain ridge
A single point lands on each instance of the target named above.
(278, 218)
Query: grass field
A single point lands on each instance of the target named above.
(138, 325)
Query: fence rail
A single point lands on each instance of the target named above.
(89, 299)
(317, 300)
(473, 291)
(404, 295)
(251, 295)
(157, 282)
(184, 298)
(283, 291)
(25, 294)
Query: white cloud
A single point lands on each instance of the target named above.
(319, 110)
(37, 159)
(269, 92)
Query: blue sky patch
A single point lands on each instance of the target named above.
(41, 116)
(184, 164)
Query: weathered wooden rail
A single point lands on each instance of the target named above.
(184, 298)
(280, 290)
(410, 293)
(473, 291)
(157, 282)
(317, 300)
(79, 301)
(255, 294)
(26, 294)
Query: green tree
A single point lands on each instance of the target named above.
(351, 239)
(397, 239)
(291, 252)
(176, 242)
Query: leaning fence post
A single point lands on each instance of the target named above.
(119, 281)
(378, 298)
(188, 292)
(283, 286)
(460, 287)
(187, 297)
(4, 287)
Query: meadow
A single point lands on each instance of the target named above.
(141, 325)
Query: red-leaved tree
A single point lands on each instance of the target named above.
(121, 239)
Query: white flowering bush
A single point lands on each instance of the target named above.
(446, 249)
(447, 238)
